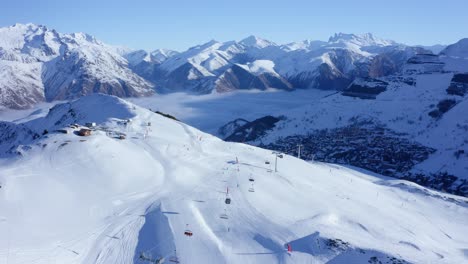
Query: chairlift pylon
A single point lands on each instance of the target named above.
(174, 259)
(228, 199)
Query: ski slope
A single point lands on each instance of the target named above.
(100, 199)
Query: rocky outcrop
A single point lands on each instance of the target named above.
(365, 88)
(253, 130)
(458, 85)
(229, 128)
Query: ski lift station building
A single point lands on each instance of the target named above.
(84, 132)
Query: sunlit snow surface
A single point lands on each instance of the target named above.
(105, 200)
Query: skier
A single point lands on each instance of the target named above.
(289, 249)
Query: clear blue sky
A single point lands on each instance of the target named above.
(179, 24)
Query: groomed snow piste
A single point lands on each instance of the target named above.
(101, 199)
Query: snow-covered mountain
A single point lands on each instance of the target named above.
(142, 187)
(406, 125)
(39, 64)
(214, 66)
(436, 49)
(458, 50)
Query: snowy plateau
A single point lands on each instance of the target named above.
(112, 155)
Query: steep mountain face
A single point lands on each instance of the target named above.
(331, 65)
(436, 49)
(345, 57)
(39, 64)
(130, 192)
(229, 128)
(240, 76)
(408, 125)
(457, 50)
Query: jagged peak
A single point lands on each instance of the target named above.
(307, 44)
(164, 52)
(366, 39)
(30, 26)
(31, 29)
(137, 56)
(84, 37)
(257, 42)
(205, 45)
(21, 30)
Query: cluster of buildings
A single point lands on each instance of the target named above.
(373, 148)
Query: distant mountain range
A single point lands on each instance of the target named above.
(39, 64)
(392, 108)
(410, 124)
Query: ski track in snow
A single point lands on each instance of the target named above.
(109, 201)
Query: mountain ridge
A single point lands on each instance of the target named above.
(45, 65)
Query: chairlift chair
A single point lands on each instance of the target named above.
(251, 189)
(188, 232)
(251, 178)
(224, 216)
(174, 259)
(228, 200)
(267, 162)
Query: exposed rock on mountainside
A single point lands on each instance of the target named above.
(459, 84)
(253, 130)
(331, 65)
(409, 125)
(366, 89)
(229, 128)
(237, 78)
(39, 64)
